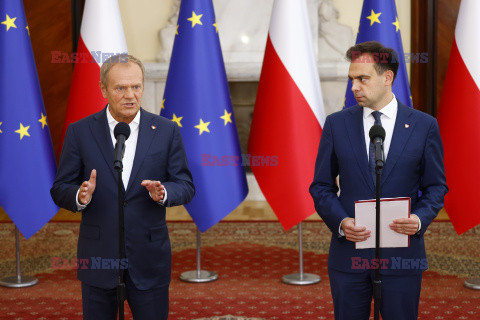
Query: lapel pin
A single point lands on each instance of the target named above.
(407, 126)
(153, 127)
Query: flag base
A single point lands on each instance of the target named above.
(473, 284)
(301, 279)
(198, 276)
(18, 282)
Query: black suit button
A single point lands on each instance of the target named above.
(125, 204)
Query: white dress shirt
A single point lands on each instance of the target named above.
(388, 116)
(130, 144)
(130, 148)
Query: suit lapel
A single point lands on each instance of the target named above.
(146, 132)
(356, 135)
(404, 126)
(101, 134)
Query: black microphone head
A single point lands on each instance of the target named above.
(121, 129)
(376, 131)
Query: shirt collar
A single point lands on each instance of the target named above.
(112, 122)
(389, 110)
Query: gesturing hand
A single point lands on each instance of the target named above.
(87, 188)
(156, 189)
(354, 233)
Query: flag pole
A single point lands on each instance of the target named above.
(18, 281)
(199, 275)
(301, 279)
(473, 284)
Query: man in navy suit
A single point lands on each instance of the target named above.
(414, 162)
(155, 176)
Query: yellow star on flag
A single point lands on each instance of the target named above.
(10, 22)
(23, 131)
(202, 126)
(374, 17)
(163, 104)
(396, 24)
(177, 120)
(216, 26)
(28, 29)
(0, 125)
(195, 19)
(43, 121)
(176, 30)
(227, 117)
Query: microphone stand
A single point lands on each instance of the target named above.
(377, 283)
(121, 289)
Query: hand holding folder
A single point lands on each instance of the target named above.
(390, 209)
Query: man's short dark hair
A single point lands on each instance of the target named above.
(384, 58)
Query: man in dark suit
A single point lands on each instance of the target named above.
(155, 176)
(414, 162)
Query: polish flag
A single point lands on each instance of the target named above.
(101, 36)
(459, 118)
(289, 115)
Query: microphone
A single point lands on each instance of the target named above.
(121, 133)
(377, 135)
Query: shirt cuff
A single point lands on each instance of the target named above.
(80, 206)
(419, 224)
(164, 197)
(340, 231)
(161, 202)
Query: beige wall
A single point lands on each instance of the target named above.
(141, 21)
(143, 18)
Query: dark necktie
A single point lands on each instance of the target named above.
(371, 155)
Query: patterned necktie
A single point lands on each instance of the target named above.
(371, 154)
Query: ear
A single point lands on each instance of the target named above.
(388, 77)
(103, 89)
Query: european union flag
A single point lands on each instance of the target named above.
(379, 22)
(197, 98)
(27, 163)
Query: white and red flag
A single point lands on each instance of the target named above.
(289, 115)
(101, 36)
(459, 118)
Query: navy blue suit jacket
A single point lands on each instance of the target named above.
(160, 155)
(414, 163)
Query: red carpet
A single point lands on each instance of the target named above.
(249, 285)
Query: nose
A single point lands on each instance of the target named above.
(354, 85)
(129, 92)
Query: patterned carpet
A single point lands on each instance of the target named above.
(250, 259)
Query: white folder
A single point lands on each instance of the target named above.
(390, 209)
